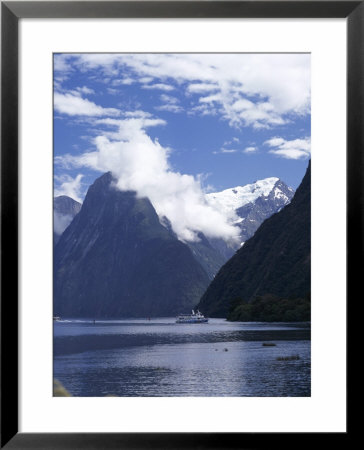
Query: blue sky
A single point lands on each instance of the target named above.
(172, 126)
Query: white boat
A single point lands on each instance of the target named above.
(195, 317)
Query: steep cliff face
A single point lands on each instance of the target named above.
(117, 260)
(275, 261)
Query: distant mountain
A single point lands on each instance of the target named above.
(274, 262)
(244, 206)
(116, 259)
(254, 213)
(64, 210)
(247, 207)
(81, 249)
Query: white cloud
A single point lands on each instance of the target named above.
(258, 90)
(138, 113)
(171, 104)
(85, 90)
(123, 81)
(112, 91)
(198, 88)
(169, 99)
(170, 108)
(203, 110)
(226, 150)
(275, 142)
(160, 86)
(60, 222)
(258, 115)
(294, 149)
(127, 128)
(233, 140)
(250, 150)
(145, 80)
(74, 105)
(214, 98)
(69, 186)
(141, 164)
(61, 63)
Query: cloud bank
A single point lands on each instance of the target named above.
(141, 164)
(73, 104)
(69, 186)
(60, 222)
(294, 149)
(260, 91)
(257, 90)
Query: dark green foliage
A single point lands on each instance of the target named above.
(276, 261)
(117, 260)
(269, 308)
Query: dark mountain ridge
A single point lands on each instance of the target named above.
(117, 260)
(276, 261)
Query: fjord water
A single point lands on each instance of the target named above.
(159, 358)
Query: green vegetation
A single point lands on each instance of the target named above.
(269, 308)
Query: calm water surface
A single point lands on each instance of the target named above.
(161, 358)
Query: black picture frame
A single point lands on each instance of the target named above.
(11, 12)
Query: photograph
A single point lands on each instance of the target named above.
(182, 224)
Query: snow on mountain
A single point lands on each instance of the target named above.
(229, 200)
(248, 206)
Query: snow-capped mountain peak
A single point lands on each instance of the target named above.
(248, 206)
(229, 200)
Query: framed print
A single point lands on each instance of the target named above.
(171, 273)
